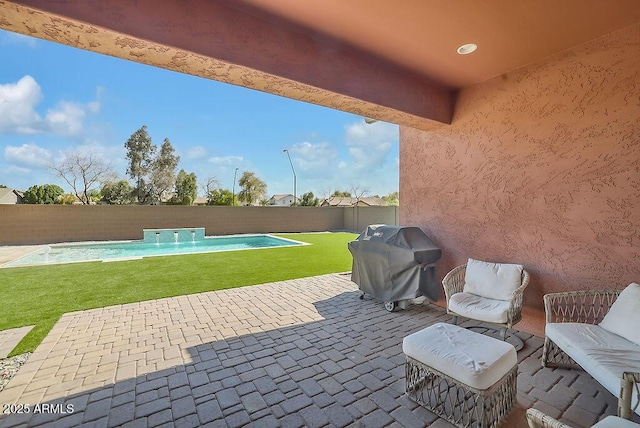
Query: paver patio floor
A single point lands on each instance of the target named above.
(9, 339)
(304, 352)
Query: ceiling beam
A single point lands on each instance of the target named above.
(221, 41)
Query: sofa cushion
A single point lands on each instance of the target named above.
(623, 317)
(604, 355)
(492, 280)
(474, 359)
(479, 308)
(615, 422)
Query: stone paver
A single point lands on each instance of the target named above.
(304, 352)
(9, 339)
(11, 252)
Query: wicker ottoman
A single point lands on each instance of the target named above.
(465, 377)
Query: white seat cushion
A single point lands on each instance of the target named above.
(623, 318)
(479, 308)
(492, 280)
(471, 358)
(604, 355)
(615, 422)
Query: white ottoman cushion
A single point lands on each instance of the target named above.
(479, 308)
(471, 358)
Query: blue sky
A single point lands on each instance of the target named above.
(56, 100)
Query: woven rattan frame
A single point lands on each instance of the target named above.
(453, 283)
(537, 419)
(575, 306)
(630, 380)
(460, 404)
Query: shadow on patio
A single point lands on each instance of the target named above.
(312, 354)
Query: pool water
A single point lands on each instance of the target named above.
(67, 253)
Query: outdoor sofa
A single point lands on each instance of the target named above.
(599, 331)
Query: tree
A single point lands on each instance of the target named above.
(45, 194)
(66, 199)
(309, 200)
(211, 185)
(358, 193)
(82, 172)
(95, 196)
(140, 152)
(186, 188)
(117, 193)
(340, 194)
(163, 172)
(219, 197)
(252, 188)
(392, 198)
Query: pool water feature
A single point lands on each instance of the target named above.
(162, 236)
(127, 250)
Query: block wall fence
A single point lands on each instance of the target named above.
(44, 224)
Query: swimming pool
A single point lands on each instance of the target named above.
(127, 250)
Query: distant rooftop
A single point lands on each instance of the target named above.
(10, 196)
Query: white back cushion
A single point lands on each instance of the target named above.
(623, 318)
(492, 280)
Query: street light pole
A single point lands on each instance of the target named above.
(294, 177)
(233, 200)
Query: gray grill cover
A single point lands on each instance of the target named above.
(390, 263)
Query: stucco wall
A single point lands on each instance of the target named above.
(540, 166)
(237, 43)
(38, 224)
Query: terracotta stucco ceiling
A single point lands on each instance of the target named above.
(423, 35)
(391, 60)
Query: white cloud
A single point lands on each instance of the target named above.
(28, 155)
(367, 159)
(370, 145)
(108, 153)
(197, 152)
(224, 167)
(226, 160)
(66, 119)
(94, 106)
(17, 106)
(314, 158)
(13, 170)
(18, 113)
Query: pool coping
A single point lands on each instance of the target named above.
(37, 248)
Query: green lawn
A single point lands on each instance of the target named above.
(39, 295)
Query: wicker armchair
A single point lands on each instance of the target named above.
(454, 283)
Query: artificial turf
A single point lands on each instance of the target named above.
(39, 295)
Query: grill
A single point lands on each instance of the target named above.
(395, 264)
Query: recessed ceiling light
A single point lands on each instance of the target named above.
(467, 49)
